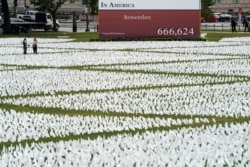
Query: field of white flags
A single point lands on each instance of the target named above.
(150, 103)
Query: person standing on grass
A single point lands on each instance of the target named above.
(245, 24)
(233, 24)
(34, 45)
(24, 46)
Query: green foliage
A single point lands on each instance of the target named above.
(205, 10)
(47, 5)
(93, 4)
(50, 6)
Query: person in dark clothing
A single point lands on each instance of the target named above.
(24, 46)
(34, 45)
(233, 24)
(245, 24)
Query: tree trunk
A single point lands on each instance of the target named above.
(6, 17)
(54, 21)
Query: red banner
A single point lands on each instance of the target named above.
(157, 24)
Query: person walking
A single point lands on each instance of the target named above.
(24, 46)
(34, 45)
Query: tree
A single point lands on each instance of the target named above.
(50, 6)
(93, 4)
(6, 17)
(205, 10)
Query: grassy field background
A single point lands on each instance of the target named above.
(95, 61)
(87, 36)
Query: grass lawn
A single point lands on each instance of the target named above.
(87, 36)
(176, 103)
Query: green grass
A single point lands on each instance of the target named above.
(79, 37)
(218, 35)
(87, 36)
